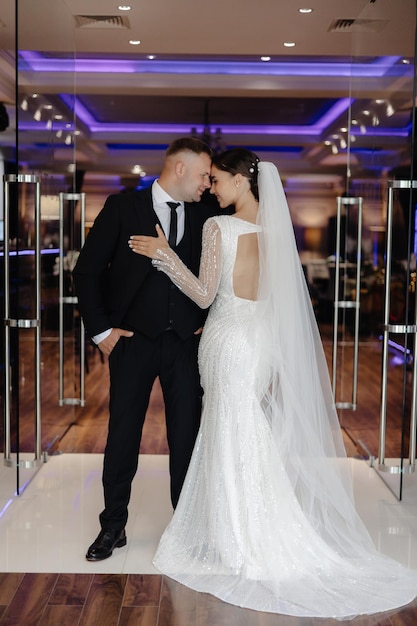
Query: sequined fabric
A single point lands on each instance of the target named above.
(239, 531)
(204, 288)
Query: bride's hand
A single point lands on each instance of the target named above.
(149, 246)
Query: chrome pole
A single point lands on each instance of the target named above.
(347, 304)
(383, 415)
(69, 300)
(22, 323)
(357, 306)
(395, 329)
(413, 425)
(336, 297)
(7, 377)
(38, 280)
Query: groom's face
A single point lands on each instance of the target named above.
(196, 176)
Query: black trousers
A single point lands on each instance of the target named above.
(134, 365)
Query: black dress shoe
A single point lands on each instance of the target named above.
(105, 543)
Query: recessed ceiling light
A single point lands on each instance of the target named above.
(305, 10)
(151, 57)
(406, 61)
(124, 7)
(134, 42)
(289, 44)
(266, 58)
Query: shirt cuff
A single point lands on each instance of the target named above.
(98, 338)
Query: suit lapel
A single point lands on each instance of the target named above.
(147, 218)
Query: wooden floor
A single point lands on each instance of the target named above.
(143, 600)
(135, 600)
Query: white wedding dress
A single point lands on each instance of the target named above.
(239, 531)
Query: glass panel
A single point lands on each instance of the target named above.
(379, 135)
(380, 89)
(57, 173)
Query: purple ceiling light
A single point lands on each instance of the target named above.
(313, 130)
(35, 61)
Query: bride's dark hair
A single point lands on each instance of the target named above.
(240, 161)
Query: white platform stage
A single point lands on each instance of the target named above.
(50, 525)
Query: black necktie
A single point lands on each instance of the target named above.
(172, 238)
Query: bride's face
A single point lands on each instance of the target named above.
(223, 186)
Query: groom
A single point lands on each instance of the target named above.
(145, 325)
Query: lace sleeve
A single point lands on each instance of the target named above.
(201, 290)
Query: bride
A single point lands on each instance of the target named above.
(266, 518)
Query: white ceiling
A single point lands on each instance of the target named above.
(235, 31)
(219, 27)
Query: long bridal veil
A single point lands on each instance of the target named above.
(295, 385)
(296, 392)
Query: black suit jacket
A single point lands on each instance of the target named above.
(108, 274)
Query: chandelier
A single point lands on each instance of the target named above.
(213, 138)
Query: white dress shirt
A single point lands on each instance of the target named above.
(163, 211)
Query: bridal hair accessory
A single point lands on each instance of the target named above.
(254, 167)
